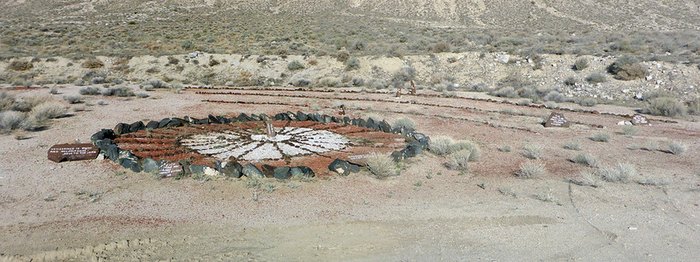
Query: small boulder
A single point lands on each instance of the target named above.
(121, 128)
(249, 170)
(130, 164)
(231, 169)
(282, 172)
(343, 167)
(136, 126)
(103, 134)
(152, 125)
(150, 165)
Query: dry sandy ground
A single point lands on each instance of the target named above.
(94, 210)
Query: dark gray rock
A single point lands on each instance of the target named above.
(347, 120)
(150, 165)
(152, 125)
(175, 122)
(136, 126)
(268, 170)
(104, 144)
(281, 117)
(130, 164)
(121, 128)
(422, 139)
(163, 123)
(316, 117)
(301, 171)
(413, 149)
(292, 116)
(244, 118)
(282, 172)
(203, 121)
(343, 167)
(214, 120)
(251, 171)
(223, 120)
(197, 169)
(103, 134)
(232, 169)
(302, 117)
(326, 119)
(384, 127)
(371, 124)
(112, 152)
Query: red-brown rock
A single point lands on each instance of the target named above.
(72, 152)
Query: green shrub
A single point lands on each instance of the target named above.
(666, 106)
(677, 148)
(601, 137)
(295, 65)
(352, 64)
(531, 169)
(580, 64)
(585, 159)
(382, 166)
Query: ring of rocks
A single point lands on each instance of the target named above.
(303, 144)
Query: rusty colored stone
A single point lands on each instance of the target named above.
(72, 152)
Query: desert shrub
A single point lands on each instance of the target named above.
(480, 87)
(531, 169)
(515, 80)
(295, 65)
(343, 55)
(48, 110)
(620, 173)
(118, 91)
(405, 74)
(666, 106)
(11, 120)
(551, 105)
(580, 64)
(572, 145)
(142, 95)
(89, 91)
(155, 83)
(524, 102)
(587, 101)
(585, 159)
(629, 130)
(7, 101)
(405, 123)
(356, 81)
(505, 148)
(474, 150)
(153, 70)
(382, 166)
(585, 179)
(601, 137)
(377, 84)
(459, 160)
(596, 78)
(352, 64)
(532, 151)
(677, 148)
(555, 96)
(172, 61)
(507, 91)
(92, 63)
(19, 65)
(213, 62)
(441, 145)
(570, 81)
(627, 68)
(73, 99)
(694, 106)
(441, 47)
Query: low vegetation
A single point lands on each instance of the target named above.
(601, 137)
(532, 151)
(382, 166)
(666, 106)
(627, 68)
(677, 148)
(405, 123)
(585, 159)
(620, 173)
(531, 169)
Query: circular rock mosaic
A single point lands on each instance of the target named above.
(291, 144)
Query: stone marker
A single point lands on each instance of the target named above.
(556, 120)
(170, 169)
(72, 152)
(639, 120)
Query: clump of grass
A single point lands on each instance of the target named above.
(587, 101)
(352, 64)
(532, 151)
(531, 169)
(505, 148)
(580, 64)
(405, 123)
(546, 196)
(441, 145)
(666, 106)
(651, 146)
(295, 65)
(654, 181)
(118, 91)
(601, 137)
(142, 95)
(474, 150)
(11, 120)
(382, 166)
(507, 192)
(48, 110)
(596, 78)
(89, 91)
(459, 160)
(629, 130)
(620, 173)
(73, 99)
(585, 159)
(585, 179)
(677, 148)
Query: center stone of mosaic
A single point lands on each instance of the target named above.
(251, 145)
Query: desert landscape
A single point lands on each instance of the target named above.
(327, 130)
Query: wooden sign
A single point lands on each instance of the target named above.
(72, 152)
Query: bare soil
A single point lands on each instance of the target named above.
(96, 210)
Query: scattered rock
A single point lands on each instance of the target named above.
(103, 134)
(343, 167)
(122, 128)
(232, 169)
(301, 171)
(130, 164)
(152, 125)
(639, 120)
(282, 172)
(251, 171)
(136, 126)
(150, 165)
(556, 120)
